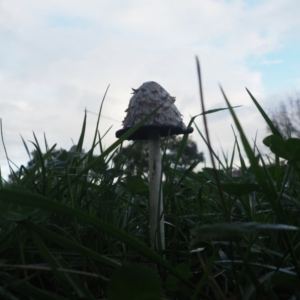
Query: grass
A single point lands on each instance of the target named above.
(76, 226)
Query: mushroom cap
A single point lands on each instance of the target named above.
(167, 120)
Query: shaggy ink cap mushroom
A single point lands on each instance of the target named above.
(166, 121)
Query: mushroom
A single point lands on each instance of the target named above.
(166, 121)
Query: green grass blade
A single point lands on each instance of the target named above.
(260, 176)
(38, 201)
(81, 137)
(64, 242)
(26, 147)
(98, 121)
(265, 116)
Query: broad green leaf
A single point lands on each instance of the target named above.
(134, 282)
(136, 184)
(276, 145)
(174, 285)
(184, 270)
(293, 148)
(211, 174)
(272, 280)
(226, 230)
(287, 149)
(240, 189)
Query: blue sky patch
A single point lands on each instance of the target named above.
(280, 69)
(66, 21)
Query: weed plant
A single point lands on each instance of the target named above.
(76, 226)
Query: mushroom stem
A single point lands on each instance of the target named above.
(155, 194)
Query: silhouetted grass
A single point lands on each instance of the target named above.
(76, 226)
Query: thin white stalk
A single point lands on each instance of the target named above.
(155, 199)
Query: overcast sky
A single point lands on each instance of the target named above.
(58, 57)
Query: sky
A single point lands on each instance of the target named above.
(57, 58)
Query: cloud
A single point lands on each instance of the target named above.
(272, 62)
(59, 57)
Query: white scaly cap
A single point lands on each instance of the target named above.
(167, 120)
